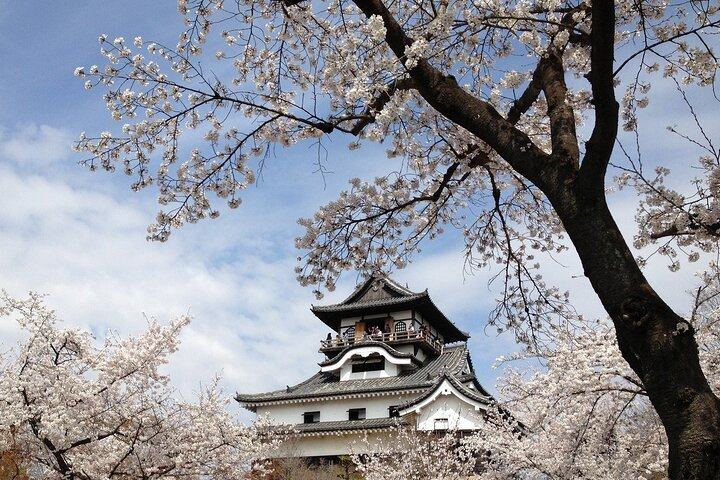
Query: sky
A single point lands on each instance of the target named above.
(80, 236)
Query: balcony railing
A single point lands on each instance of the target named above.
(338, 343)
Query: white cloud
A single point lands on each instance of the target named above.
(35, 145)
(86, 249)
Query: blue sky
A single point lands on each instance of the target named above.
(80, 237)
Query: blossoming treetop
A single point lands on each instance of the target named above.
(482, 102)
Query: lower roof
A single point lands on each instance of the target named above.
(347, 425)
(323, 385)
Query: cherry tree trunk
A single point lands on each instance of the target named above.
(658, 344)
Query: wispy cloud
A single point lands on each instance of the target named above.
(35, 146)
(86, 249)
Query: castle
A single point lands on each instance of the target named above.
(392, 358)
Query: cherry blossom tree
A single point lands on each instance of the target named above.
(409, 453)
(585, 415)
(72, 409)
(502, 118)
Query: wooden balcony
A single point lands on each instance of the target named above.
(334, 345)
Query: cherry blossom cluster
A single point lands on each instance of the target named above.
(409, 453)
(679, 224)
(584, 415)
(76, 409)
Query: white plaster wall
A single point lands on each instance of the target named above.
(406, 348)
(402, 315)
(292, 413)
(345, 363)
(375, 407)
(346, 373)
(460, 415)
(348, 322)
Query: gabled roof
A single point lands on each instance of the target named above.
(461, 389)
(378, 288)
(383, 295)
(328, 385)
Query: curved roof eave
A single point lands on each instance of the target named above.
(328, 385)
(369, 343)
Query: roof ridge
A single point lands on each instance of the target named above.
(393, 283)
(384, 301)
(344, 425)
(288, 388)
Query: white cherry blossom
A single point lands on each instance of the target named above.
(76, 409)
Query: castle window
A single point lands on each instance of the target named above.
(356, 414)
(370, 364)
(393, 411)
(311, 417)
(442, 424)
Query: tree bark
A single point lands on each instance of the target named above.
(657, 343)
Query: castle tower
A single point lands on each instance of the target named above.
(392, 358)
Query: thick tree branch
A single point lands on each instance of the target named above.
(599, 147)
(444, 94)
(526, 100)
(551, 75)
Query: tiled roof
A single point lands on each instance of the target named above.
(320, 385)
(347, 425)
(374, 291)
(383, 295)
(375, 302)
(377, 287)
